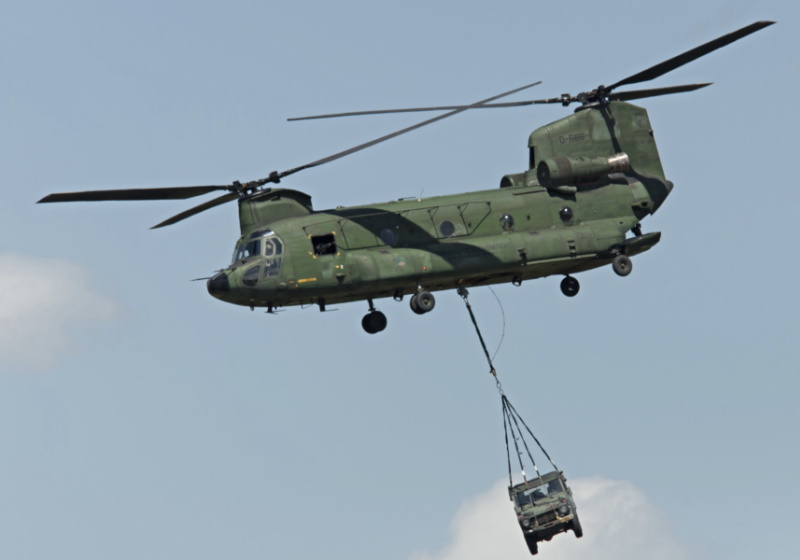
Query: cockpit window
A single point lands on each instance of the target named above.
(272, 267)
(258, 244)
(260, 233)
(272, 247)
(249, 249)
(250, 278)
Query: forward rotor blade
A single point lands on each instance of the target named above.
(642, 93)
(360, 147)
(236, 188)
(166, 193)
(227, 197)
(689, 56)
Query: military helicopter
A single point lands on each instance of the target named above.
(592, 177)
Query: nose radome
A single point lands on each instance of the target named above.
(218, 284)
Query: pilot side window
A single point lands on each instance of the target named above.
(272, 247)
(324, 244)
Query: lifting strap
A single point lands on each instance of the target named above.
(511, 418)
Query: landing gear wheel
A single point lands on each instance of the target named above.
(576, 526)
(422, 302)
(570, 286)
(533, 545)
(622, 265)
(374, 322)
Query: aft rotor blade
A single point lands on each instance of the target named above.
(166, 193)
(411, 110)
(642, 93)
(419, 109)
(689, 56)
(403, 131)
(227, 197)
(637, 94)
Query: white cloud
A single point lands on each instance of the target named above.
(618, 523)
(41, 302)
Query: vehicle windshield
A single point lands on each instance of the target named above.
(258, 244)
(536, 494)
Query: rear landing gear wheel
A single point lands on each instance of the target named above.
(422, 302)
(622, 265)
(374, 322)
(570, 286)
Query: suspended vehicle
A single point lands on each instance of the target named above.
(592, 177)
(543, 504)
(544, 508)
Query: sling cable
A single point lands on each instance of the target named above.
(544, 505)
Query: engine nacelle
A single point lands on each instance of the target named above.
(562, 170)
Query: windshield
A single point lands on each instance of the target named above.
(247, 249)
(537, 493)
(260, 243)
(263, 243)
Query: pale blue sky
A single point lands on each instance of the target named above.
(141, 418)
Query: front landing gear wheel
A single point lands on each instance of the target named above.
(570, 286)
(622, 265)
(374, 322)
(422, 302)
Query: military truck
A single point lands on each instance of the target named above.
(544, 508)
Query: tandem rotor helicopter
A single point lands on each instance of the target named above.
(592, 177)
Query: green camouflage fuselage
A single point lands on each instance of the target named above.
(568, 213)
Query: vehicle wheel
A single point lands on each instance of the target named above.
(570, 286)
(422, 302)
(374, 322)
(533, 545)
(622, 265)
(576, 526)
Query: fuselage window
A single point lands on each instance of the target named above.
(388, 236)
(447, 228)
(507, 222)
(324, 244)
